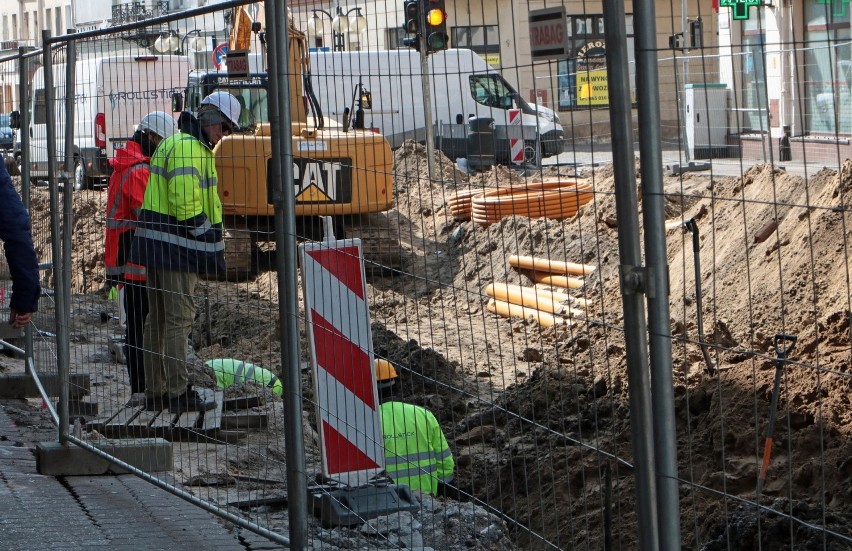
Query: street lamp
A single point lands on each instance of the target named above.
(341, 25)
(167, 42)
(197, 44)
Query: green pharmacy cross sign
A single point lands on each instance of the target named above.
(740, 8)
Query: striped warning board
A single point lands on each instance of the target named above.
(516, 145)
(341, 347)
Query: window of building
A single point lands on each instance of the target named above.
(828, 69)
(5, 27)
(15, 35)
(394, 37)
(582, 78)
(25, 31)
(48, 19)
(58, 23)
(482, 39)
(68, 20)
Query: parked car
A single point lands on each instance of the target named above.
(7, 133)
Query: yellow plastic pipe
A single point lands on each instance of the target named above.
(546, 265)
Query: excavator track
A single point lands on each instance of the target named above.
(380, 241)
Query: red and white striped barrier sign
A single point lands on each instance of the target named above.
(341, 346)
(516, 145)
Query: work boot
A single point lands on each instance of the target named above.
(154, 403)
(137, 399)
(190, 401)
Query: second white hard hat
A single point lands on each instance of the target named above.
(159, 123)
(226, 103)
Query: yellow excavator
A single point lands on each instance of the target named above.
(339, 171)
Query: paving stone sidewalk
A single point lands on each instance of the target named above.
(116, 513)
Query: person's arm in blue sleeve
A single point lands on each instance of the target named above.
(20, 253)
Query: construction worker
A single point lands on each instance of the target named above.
(20, 253)
(124, 199)
(416, 450)
(179, 237)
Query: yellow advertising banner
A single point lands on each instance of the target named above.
(492, 59)
(592, 87)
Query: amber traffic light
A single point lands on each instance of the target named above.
(436, 26)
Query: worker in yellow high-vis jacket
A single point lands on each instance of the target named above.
(179, 237)
(416, 450)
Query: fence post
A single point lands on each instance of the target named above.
(24, 133)
(659, 328)
(633, 279)
(63, 342)
(68, 219)
(284, 199)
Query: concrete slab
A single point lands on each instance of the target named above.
(147, 454)
(21, 385)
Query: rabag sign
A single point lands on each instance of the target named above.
(548, 34)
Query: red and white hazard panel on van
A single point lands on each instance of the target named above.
(516, 144)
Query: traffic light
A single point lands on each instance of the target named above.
(413, 19)
(436, 26)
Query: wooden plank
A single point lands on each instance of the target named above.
(242, 402)
(187, 420)
(117, 426)
(244, 421)
(250, 503)
(164, 419)
(213, 418)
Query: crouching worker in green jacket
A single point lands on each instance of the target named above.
(179, 237)
(416, 450)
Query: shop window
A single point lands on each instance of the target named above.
(828, 70)
(582, 78)
(482, 39)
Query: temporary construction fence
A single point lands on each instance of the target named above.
(594, 391)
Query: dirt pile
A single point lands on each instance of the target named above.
(794, 282)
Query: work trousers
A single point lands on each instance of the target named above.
(136, 308)
(167, 327)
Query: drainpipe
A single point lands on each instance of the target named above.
(787, 64)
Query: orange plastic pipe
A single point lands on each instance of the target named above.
(507, 310)
(546, 265)
(532, 298)
(566, 282)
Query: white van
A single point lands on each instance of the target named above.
(463, 86)
(112, 94)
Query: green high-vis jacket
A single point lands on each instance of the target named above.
(416, 451)
(234, 372)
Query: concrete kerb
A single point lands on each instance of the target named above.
(146, 454)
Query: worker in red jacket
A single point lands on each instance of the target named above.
(124, 199)
(20, 254)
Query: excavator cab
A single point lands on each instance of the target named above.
(338, 172)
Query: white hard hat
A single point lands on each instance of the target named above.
(226, 103)
(159, 123)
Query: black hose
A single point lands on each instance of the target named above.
(319, 119)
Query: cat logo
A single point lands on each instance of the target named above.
(323, 180)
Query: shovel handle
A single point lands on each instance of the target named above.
(782, 351)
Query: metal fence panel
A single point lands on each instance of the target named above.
(495, 294)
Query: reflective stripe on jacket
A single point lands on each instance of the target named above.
(124, 198)
(180, 226)
(416, 451)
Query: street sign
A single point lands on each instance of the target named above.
(219, 54)
(238, 63)
(548, 34)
